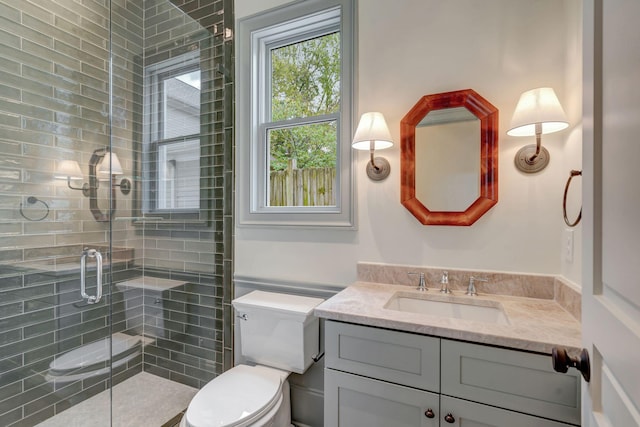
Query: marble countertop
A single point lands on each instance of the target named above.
(535, 324)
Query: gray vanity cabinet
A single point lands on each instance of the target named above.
(378, 377)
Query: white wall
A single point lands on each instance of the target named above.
(410, 48)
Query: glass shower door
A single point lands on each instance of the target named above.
(57, 206)
(115, 208)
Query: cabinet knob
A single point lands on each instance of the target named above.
(562, 362)
(429, 413)
(449, 418)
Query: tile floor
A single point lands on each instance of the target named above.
(144, 400)
(175, 421)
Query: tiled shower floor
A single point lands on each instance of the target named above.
(143, 400)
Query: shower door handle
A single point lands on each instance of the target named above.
(91, 253)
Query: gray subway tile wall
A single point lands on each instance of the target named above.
(54, 85)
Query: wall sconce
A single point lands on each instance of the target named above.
(538, 112)
(70, 170)
(110, 165)
(373, 134)
(99, 164)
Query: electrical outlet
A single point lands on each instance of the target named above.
(568, 246)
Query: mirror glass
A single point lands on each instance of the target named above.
(447, 147)
(449, 158)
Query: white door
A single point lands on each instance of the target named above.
(611, 174)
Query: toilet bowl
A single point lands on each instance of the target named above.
(278, 335)
(245, 395)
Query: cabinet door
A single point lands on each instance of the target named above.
(397, 357)
(471, 414)
(510, 379)
(355, 401)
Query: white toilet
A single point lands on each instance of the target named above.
(280, 335)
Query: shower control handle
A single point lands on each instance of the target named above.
(91, 253)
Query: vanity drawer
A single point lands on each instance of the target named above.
(510, 379)
(393, 356)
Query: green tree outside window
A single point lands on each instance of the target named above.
(305, 83)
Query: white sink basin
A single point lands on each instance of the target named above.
(465, 309)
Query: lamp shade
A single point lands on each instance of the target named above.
(68, 169)
(538, 106)
(372, 133)
(110, 165)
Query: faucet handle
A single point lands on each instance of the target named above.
(471, 290)
(422, 284)
(444, 283)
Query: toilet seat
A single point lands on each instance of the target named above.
(93, 356)
(71, 377)
(237, 398)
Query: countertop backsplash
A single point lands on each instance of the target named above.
(565, 293)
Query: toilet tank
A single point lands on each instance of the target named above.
(278, 330)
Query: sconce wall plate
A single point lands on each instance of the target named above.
(381, 169)
(125, 186)
(523, 156)
(86, 192)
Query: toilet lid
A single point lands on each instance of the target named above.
(235, 398)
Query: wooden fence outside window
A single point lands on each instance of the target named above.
(302, 187)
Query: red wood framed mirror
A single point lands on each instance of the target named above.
(449, 158)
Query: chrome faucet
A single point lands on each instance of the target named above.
(444, 283)
(422, 283)
(471, 290)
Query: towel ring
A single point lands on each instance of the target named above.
(33, 200)
(564, 200)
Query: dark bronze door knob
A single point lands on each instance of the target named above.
(562, 362)
(449, 418)
(429, 413)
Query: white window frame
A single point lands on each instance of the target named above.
(154, 74)
(257, 36)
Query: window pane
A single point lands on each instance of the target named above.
(181, 105)
(179, 175)
(302, 165)
(305, 78)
